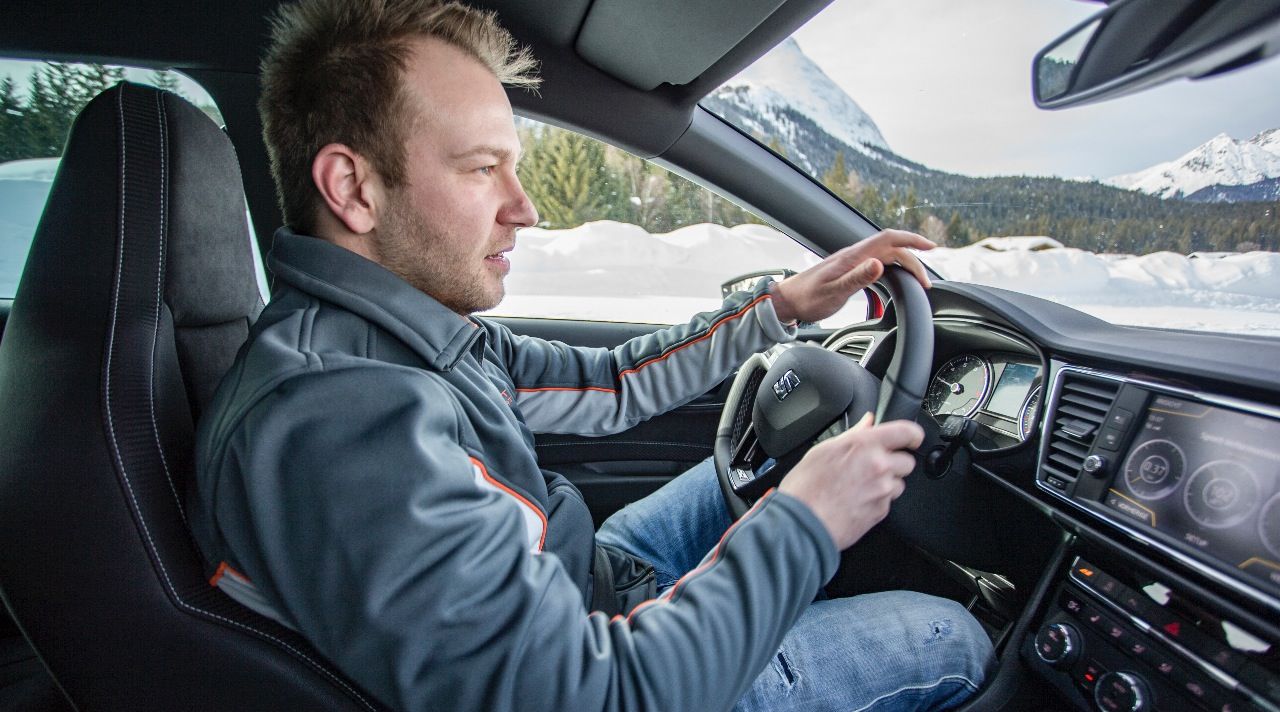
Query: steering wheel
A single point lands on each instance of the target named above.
(784, 401)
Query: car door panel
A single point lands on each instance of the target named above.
(613, 470)
(616, 469)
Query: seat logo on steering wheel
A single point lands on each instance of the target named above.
(785, 385)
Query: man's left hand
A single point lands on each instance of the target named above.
(823, 289)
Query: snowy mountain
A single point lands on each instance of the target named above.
(786, 97)
(1221, 170)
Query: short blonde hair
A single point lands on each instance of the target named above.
(333, 75)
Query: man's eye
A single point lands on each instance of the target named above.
(486, 170)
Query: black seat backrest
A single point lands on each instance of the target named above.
(138, 291)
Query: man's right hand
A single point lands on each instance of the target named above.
(850, 480)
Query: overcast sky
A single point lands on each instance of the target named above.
(949, 84)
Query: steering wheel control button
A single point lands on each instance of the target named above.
(1058, 644)
(1122, 692)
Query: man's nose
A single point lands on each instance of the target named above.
(519, 210)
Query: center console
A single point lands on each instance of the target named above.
(1194, 479)
(1117, 638)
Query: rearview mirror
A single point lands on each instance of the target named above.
(1136, 44)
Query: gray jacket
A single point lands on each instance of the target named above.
(366, 475)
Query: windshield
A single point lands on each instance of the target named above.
(1156, 209)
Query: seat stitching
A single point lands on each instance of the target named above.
(155, 336)
(115, 308)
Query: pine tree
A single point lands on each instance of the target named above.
(642, 190)
(837, 178)
(92, 80)
(13, 139)
(56, 94)
(51, 102)
(568, 180)
(166, 81)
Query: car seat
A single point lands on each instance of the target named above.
(138, 291)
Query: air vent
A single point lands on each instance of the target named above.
(1081, 407)
(856, 348)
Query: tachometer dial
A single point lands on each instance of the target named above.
(959, 386)
(1030, 410)
(1221, 494)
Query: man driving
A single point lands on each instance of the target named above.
(367, 474)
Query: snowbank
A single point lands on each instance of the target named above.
(41, 169)
(598, 270)
(1064, 271)
(606, 258)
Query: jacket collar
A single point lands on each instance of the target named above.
(368, 289)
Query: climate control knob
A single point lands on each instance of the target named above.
(1058, 644)
(1122, 692)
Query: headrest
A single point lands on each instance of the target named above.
(208, 263)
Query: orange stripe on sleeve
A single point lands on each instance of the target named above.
(559, 388)
(705, 336)
(484, 472)
(646, 364)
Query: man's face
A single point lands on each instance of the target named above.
(448, 229)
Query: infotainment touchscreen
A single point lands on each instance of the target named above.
(1208, 478)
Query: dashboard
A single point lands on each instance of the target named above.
(1156, 454)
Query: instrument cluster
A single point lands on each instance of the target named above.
(1001, 391)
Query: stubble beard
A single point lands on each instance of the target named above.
(408, 246)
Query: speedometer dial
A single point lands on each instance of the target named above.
(1030, 410)
(959, 386)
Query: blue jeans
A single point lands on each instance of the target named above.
(895, 650)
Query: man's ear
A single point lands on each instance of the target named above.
(347, 185)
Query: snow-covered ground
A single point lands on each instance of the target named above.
(612, 271)
(1236, 293)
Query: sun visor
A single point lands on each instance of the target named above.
(646, 44)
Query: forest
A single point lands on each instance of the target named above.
(573, 179)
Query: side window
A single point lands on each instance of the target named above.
(622, 239)
(38, 103)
